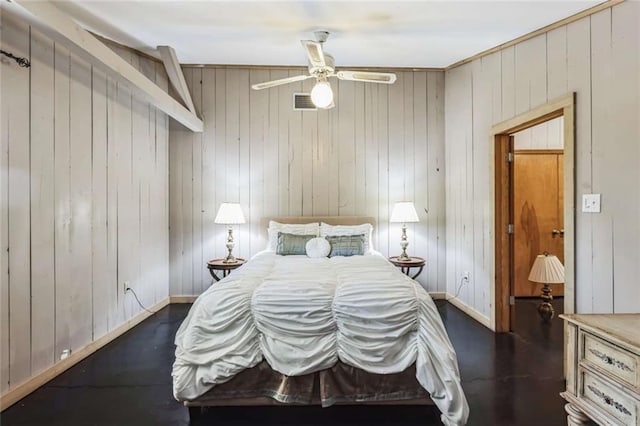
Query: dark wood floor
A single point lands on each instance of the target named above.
(509, 379)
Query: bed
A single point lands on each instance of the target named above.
(298, 330)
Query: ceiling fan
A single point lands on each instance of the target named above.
(321, 67)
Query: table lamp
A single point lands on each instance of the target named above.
(546, 269)
(404, 212)
(229, 214)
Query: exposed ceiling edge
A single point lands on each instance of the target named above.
(532, 34)
(57, 25)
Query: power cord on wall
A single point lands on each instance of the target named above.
(445, 300)
(138, 300)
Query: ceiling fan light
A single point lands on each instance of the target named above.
(322, 95)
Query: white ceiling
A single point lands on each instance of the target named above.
(363, 33)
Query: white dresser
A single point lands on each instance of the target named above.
(603, 369)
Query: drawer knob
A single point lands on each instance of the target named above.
(610, 360)
(609, 400)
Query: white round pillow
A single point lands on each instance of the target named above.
(318, 247)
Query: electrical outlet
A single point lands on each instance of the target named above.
(65, 354)
(125, 287)
(466, 275)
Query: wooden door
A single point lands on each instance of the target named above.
(538, 198)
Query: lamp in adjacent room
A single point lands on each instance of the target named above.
(404, 212)
(230, 214)
(546, 269)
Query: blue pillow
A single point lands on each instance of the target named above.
(346, 245)
(290, 244)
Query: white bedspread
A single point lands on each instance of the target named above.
(303, 315)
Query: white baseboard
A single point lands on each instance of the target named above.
(438, 295)
(182, 299)
(15, 394)
(469, 311)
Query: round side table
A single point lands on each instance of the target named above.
(406, 265)
(219, 265)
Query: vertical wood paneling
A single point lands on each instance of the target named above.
(99, 211)
(346, 148)
(556, 63)
(78, 163)
(597, 57)
(355, 159)
(198, 259)
(384, 209)
(296, 146)
(602, 130)
(258, 134)
(244, 178)
(209, 207)
(4, 226)
(396, 184)
(62, 234)
(114, 287)
(531, 75)
(309, 147)
(579, 81)
(624, 194)
(372, 153)
(220, 163)
(80, 188)
(15, 132)
(359, 135)
(436, 182)
(42, 204)
(425, 238)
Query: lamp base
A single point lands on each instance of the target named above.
(545, 309)
(404, 244)
(230, 257)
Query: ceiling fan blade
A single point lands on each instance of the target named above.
(273, 83)
(368, 76)
(315, 53)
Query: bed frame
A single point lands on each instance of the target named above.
(199, 404)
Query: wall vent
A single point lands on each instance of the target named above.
(302, 102)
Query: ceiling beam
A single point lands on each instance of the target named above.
(175, 74)
(61, 28)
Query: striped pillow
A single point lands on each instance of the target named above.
(346, 245)
(291, 244)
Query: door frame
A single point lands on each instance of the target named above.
(563, 106)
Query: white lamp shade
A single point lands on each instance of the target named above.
(229, 214)
(547, 269)
(404, 212)
(322, 95)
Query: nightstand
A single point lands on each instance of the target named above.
(219, 265)
(406, 265)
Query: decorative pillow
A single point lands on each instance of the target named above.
(290, 228)
(335, 230)
(289, 244)
(346, 245)
(318, 247)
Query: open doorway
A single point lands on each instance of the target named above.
(538, 227)
(534, 190)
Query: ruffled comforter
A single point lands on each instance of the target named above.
(302, 315)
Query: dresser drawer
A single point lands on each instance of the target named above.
(614, 360)
(609, 398)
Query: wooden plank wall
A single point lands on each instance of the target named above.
(598, 58)
(547, 135)
(380, 144)
(84, 191)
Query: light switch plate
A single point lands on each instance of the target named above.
(591, 203)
